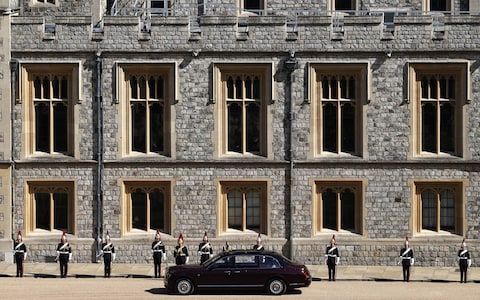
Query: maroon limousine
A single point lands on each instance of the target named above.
(252, 269)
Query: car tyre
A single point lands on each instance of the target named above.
(184, 287)
(276, 287)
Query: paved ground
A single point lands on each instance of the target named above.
(319, 272)
(133, 281)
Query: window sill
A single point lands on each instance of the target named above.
(431, 233)
(42, 233)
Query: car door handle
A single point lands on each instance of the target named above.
(227, 272)
(236, 272)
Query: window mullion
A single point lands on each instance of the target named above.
(52, 124)
(244, 125)
(148, 213)
(147, 126)
(339, 212)
(52, 212)
(244, 212)
(339, 125)
(438, 211)
(438, 111)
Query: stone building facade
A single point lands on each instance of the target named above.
(297, 120)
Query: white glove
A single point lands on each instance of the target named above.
(210, 255)
(458, 258)
(337, 260)
(469, 262)
(70, 256)
(186, 261)
(113, 256)
(24, 255)
(164, 256)
(412, 261)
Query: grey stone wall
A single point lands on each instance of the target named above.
(385, 164)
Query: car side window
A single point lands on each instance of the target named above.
(246, 261)
(268, 262)
(220, 263)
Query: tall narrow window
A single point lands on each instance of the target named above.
(438, 91)
(243, 206)
(148, 93)
(147, 206)
(244, 210)
(438, 114)
(439, 5)
(253, 6)
(440, 207)
(337, 109)
(345, 5)
(243, 104)
(53, 113)
(243, 93)
(161, 7)
(51, 206)
(339, 206)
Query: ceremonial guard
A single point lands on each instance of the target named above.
(332, 258)
(20, 253)
(464, 261)
(108, 252)
(205, 249)
(158, 250)
(258, 246)
(406, 259)
(181, 252)
(64, 255)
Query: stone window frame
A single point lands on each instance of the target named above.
(459, 71)
(28, 71)
(49, 186)
(457, 186)
(361, 72)
(127, 185)
(243, 185)
(219, 98)
(168, 70)
(358, 187)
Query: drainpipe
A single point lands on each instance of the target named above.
(13, 90)
(290, 65)
(98, 99)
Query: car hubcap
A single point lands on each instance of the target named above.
(276, 287)
(183, 287)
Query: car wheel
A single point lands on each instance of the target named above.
(276, 287)
(184, 287)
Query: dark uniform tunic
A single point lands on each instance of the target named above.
(19, 250)
(158, 249)
(108, 251)
(406, 255)
(463, 262)
(332, 256)
(205, 250)
(64, 252)
(180, 253)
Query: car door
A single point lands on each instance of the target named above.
(217, 274)
(247, 271)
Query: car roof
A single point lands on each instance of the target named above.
(248, 251)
